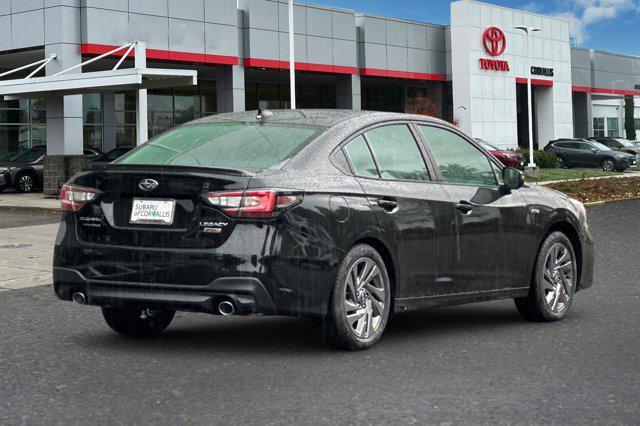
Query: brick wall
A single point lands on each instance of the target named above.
(58, 169)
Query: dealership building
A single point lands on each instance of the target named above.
(184, 59)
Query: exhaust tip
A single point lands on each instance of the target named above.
(79, 297)
(226, 308)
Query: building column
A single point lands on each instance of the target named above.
(348, 92)
(230, 88)
(108, 121)
(64, 124)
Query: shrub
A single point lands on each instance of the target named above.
(543, 159)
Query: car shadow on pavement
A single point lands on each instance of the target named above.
(191, 332)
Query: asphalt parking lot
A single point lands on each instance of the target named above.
(474, 364)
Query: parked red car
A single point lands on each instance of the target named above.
(508, 158)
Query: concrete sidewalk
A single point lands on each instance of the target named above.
(32, 201)
(26, 256)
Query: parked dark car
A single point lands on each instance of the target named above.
(620, 144)
(23, 169)
(589, 153)
(340, 216)
(508, 158)
(112, 155)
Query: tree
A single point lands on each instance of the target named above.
(629, 121)
(421, 105)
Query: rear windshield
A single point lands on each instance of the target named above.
(230, 145)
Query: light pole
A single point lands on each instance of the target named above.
(292, 58)
(531, 168)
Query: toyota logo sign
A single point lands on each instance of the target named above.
(494, 41)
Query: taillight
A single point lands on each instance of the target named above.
(73, 198)
(255, 204)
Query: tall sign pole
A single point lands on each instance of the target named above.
(531, 168)
(292, 58)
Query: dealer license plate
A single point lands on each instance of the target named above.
(156, 212)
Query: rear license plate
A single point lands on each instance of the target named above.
(155, 212)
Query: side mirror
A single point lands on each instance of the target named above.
(512, 178)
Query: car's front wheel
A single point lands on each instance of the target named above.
(137, 322)
(554, 282)
(361, 300)
(608, 165)
(25, 183)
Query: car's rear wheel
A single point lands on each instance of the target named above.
(561, 163)
(608, 165)
(2, 188)
(137, 322)
(360, 302)
(554, 282)
(25, 182)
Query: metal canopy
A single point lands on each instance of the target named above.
(90, 82)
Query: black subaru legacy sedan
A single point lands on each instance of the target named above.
(344, 217)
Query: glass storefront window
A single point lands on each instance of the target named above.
(22, 124)
(276, 96)
(125, 118)
(92, 120)
(598, 127)
(613, 130)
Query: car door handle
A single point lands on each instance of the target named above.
(387, 205)
(464, 207)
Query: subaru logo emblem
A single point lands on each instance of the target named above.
(148, 184)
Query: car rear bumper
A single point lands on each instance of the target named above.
(294, 277)
(248, 294)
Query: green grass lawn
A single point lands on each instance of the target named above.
(562, 174)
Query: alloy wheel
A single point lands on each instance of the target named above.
(560, 162)
(608, 166)
(558, 277)
(364, 298)
(25, 183)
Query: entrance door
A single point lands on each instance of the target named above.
(523, 116)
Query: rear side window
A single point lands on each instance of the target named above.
(459, 161)
(360, 157)
(229, 145)
(397, 153)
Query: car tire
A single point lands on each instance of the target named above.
(608, 165)
(359, 308)
(137, 322)
(25, 182)
(553, 283)
(2, 188)
(561, 163)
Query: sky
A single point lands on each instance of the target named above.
(609, 25)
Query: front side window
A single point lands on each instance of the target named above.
(360, 157)
(229, 145)
(459, 161)
(397, 153)
(598, 146)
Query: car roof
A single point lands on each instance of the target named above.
(314, 117)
